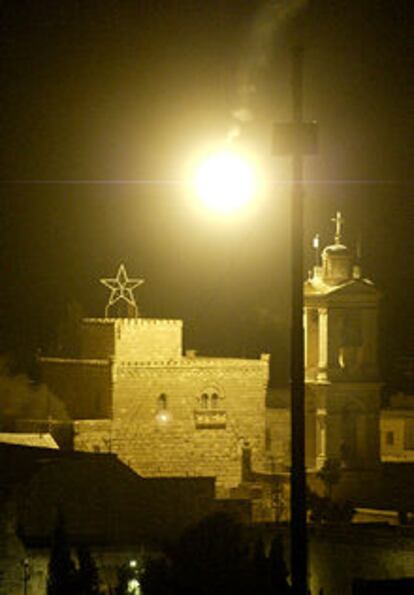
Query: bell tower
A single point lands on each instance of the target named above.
(343, 386)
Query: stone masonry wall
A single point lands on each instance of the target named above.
(84, 386)
(146, 339)
(97, 338)
(181, 435)
(134, 339)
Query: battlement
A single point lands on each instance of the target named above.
(133, 322)
(141, 339)
(199, 362)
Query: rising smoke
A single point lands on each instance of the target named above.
(21, 399)
(270, 19)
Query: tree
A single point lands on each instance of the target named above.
(323, 510)
(87, 576)
(330, 474)
(212, 557)
(62, 577)
(217, 556)
(156, 578)
(128, 579)
(260, 567)
(278, 571)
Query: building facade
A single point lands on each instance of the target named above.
(342, 377)
(134, 393)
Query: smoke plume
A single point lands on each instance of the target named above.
(271, 17)
(21, 399)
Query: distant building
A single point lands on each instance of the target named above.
(163, 412)
(343, 387)
(397, 429)
(134, 393)
(104, 505)
(341, 344)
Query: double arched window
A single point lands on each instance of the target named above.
(210, 399)
(210, 412)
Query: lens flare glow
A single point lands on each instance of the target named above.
(225, 182)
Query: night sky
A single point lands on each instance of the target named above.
(99, 95)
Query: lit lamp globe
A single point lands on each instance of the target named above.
(225, 182)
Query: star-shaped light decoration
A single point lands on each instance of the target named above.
(121, 289)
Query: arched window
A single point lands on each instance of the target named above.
(209, 411)
(204, 401)
(210, 398)
(215, 401)
(162, 402)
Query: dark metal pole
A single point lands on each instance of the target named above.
(26, 575)
(298, 475)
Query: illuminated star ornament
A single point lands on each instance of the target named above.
(121, 290)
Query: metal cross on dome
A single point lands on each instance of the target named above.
(121, 289)
(339, 221)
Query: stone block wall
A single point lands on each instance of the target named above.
(92, 435)
(84, 386)
(168, 415)
(134, 339)
(278, 439)
(97, 338)
(186, 418)
(395, 445)
(146, 339)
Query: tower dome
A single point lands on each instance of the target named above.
(337, 258)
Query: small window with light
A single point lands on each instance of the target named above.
(163, 415)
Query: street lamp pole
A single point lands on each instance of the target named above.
(298, 472)
(26, 575)
(297, 139)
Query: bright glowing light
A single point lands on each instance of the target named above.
(163, 416)
(225, 182)
(134, 586)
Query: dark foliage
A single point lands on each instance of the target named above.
(87, 579)
(61, 569)
(157, 578)
(215, 556)
(63, 576)
(324, 510)
(330, 474)
(126, 573)
(276, 569)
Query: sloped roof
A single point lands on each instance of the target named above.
(26, 439)
(102, 500)
(317, 286)
(355, 290)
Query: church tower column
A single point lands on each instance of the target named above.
(346, 387)
(323, 343)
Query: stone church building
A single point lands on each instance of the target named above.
(342, 377)
(164, 413)
(133, 391)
